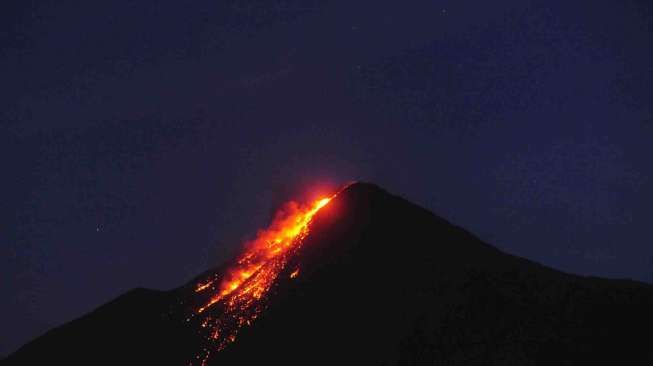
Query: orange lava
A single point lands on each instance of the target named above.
(246, 283)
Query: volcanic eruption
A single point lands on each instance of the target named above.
(364, 277)
(240, 290)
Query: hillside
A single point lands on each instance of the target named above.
(379, 281)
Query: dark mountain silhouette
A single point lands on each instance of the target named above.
(382, 281)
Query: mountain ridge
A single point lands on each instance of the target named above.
(380, 281)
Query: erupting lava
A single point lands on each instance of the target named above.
(240, 291)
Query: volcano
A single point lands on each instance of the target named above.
(364, 277)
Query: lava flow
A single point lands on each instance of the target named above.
(240, 291)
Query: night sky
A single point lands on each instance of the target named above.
(141, 142)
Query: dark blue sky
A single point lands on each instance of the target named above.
(141, 142)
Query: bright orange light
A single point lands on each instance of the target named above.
(203, 286)
(254, 273)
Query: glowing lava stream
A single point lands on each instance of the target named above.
(244, 284)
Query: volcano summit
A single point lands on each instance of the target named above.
(364, 277)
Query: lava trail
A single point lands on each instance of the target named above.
(238, 295)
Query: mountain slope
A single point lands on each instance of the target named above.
(381, 281)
